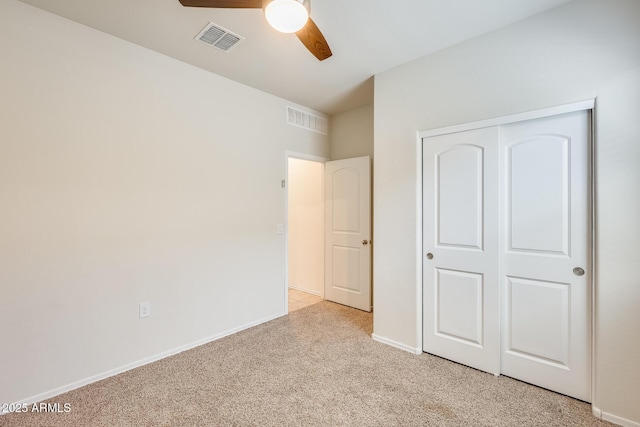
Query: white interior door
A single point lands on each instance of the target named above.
(546, 329)
(460, 242)
(348, 232)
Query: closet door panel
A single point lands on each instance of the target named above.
(460, 269)
(546, 305)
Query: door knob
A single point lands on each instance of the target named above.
(578, 271)
(429, 255)
(365, 242)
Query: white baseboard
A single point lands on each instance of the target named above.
(614, 418)
(86, 381)
(309, 291)
(396, 344)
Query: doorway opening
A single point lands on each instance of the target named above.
(304, 239)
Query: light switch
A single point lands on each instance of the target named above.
(145, 309)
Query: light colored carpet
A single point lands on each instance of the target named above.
(317, 366)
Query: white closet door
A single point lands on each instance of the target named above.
(507, 238)
(546, 305)
(460, 242)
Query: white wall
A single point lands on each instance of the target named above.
(127, 176)
(351, 133)
(586, 49)
(306, 225)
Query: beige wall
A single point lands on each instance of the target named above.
(586, 49)
(352, 133)
(305, 230)
(127, 176)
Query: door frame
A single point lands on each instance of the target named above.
(300, 156)
(589, 104)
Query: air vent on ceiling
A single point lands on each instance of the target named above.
(306, 120)
(218, 37)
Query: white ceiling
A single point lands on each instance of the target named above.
(366, 37)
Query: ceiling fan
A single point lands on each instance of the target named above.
(287, 16)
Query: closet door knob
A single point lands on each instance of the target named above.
(578, 271)
(429, 255)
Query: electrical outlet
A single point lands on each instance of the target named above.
(145, 309)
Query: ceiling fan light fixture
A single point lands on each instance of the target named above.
(287, 16)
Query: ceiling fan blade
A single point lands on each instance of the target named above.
(312, 38)
(239, 4)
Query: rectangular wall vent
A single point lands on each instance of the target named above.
(216, 36)
(306, 120)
